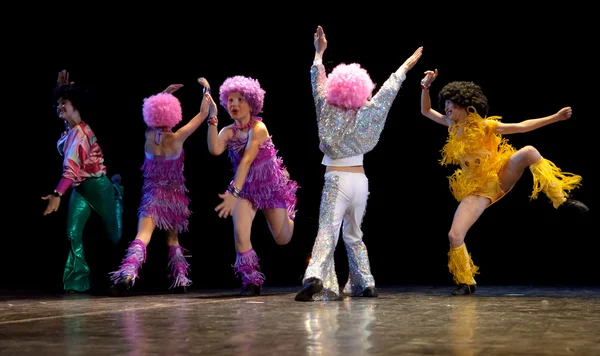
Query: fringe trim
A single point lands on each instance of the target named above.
(461, 265)
(179, 267)
(132, 263)
(164, 197)
(247, 267)
(268, 184)
(548, 178)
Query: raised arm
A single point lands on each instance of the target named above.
(216, 141)
(376, 110)
(362, 136)
(184, 132)
(533, 124)
(426, 109)
(317, 70)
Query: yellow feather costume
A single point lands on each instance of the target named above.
(481, 154)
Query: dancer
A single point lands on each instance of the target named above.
(164, 202)
(261, 181)
(350, 123)
(489, 165)
(85, 172)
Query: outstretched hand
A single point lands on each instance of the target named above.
(225, 209)
(413, 59)
(53, 204)
(172, 88)
(320, 40)
(429, 77)
(564, 113)
(206, 103)
(208, 100)
(213, 110)
(205, 84)
(63, 78)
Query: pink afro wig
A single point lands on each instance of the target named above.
(248, 87)
(348, 86)
(162, 110)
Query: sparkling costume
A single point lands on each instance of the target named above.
(84, 170)
(345, 135)
(481, 154)
(267, 186)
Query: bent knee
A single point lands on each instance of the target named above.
(531, 154)
(283, 239)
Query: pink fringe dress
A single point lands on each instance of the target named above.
(164, 196)
(268, 184)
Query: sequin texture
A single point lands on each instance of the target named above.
(346, 133)
(360, 277)
(322, 264)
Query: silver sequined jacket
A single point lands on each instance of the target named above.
(346, 133)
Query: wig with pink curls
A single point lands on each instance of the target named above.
(162, 110)
(248, 87)
(348, 86)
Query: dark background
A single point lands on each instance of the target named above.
(530, 64)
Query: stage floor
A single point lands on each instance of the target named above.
(416, 320)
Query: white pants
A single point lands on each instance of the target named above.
(344, 199)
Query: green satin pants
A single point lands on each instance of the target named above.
(106, 199)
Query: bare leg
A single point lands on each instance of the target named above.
(467, 213)
(280, 224)
(243, 216)
(518, 162)
(146, 227)
(459, 261)
(172, 238)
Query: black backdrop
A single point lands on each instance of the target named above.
(528, 65)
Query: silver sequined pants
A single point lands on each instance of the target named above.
(344, 199)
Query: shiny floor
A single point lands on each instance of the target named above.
(419, 320)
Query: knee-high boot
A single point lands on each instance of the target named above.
(247, 267)
(463, 269)
(124, 277)
(548, 178)
(179, 269)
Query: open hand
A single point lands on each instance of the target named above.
(213, 110)
(206, 103)
(63, 78)
(413, 59)
(320, 40)
(205, 84)
(429, 77)
(172, 88)
(225, 209)
(53, 204)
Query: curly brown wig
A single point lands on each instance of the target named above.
(77, 95)
(464, 94)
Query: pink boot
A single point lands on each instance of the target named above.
(124, 277)
(246, 266)
(179, 269)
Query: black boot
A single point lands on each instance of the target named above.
(311, 287)
(121, 287)
(576, 205)
(464, 289)
(369, 292)
(250, 290)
